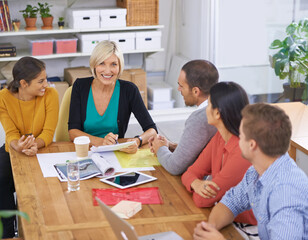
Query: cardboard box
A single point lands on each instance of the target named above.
(67, 45)
(159, 91)
(125, 40)
(87, 42)
(71, 74)
(148, 40)
(61, 88)
(83, 18)
(41, 46)
(112, 17)
(139, 78)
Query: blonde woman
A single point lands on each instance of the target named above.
(101, 105)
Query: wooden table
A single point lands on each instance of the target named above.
(298, 114)
(56, 213)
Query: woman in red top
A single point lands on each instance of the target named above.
(221, 160)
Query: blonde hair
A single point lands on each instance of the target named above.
(104, 50)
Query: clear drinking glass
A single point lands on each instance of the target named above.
(73, 176)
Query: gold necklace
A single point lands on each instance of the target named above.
(22, 118)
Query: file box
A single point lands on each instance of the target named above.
(87, 42)
(126, 40)
(148, 40)
(83, 18)
(112, 17)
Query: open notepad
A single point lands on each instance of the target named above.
(114, 147)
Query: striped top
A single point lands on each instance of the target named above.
(278, 198)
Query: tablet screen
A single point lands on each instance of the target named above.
(129, 179)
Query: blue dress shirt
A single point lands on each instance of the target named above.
(278, 198)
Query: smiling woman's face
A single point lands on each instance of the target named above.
(107, 71)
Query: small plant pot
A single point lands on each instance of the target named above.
(61, 25)
(30, 23)
(47, 23)
(293, 94)
(16, 26)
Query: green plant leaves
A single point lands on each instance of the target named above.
(11, 213)
(291, 60)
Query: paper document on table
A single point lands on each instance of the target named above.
(114, 147)
(142, 158)
(48, 160)
(111, 156)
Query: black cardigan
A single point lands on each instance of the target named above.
(130, 102)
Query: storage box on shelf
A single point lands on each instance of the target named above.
(87, 42)
(112, 17)
(139, 78)
(159, 95)
(71, 74)
(148, 40)
(140, 12)
(41, 46)
(65, 45)
(125, 40)
(83, 18)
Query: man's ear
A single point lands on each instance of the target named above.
(23, 83)
(196, 91)
(253, 144)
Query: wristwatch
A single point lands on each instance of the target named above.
(140, 139)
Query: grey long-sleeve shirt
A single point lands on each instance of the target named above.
(197, 133)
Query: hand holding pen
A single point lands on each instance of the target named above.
(111, 138)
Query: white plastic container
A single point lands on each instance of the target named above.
(126, 40)
(161, 105)
(148, 40)
(83, 18)
(87, 42)
(159, 91)
(112, 17)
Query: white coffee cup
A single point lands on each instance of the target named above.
(82, 146)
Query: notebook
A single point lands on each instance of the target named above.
(125, 231)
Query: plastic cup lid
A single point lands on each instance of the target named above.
(82, 140)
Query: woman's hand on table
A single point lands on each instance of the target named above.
(205, 188)
(205, 231)
(132, 148)
(31, 151)
(155, 142)
(25, 142)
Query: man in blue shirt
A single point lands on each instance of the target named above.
(274, 187)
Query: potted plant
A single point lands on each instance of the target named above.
(16, 24)
(61, 22)
(10, 213)
(30, 16)
(291, 60)
(46, 16)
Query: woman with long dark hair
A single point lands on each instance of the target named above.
(220, 165)
(29, 115)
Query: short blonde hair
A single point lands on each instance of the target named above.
(104, 50)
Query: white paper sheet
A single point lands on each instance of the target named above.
(114, 147)
(47, 160)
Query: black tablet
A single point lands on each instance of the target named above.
(128, 179)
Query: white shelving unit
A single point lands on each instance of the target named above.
(23, 52)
